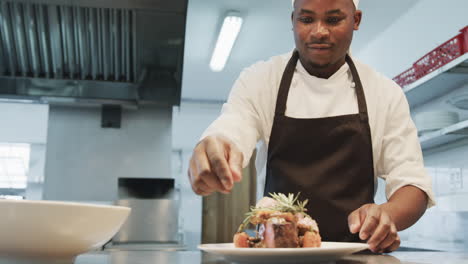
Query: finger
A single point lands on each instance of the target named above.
(390, 239)
(205, 174)
(201, 173)
(198, 187)
(394, 246)
(380, 233)
(235, 159)
(354, 221)
(204, 170)
(219, 164)
(370, 223)
(202, 189)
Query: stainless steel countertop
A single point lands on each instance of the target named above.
(196, 257)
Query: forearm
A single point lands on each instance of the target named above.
(406, 206)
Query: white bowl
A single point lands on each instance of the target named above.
(55, 232)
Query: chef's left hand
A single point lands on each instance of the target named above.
(375, 225)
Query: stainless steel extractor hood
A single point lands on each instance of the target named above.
(100, 51)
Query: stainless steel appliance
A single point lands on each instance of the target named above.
(92, 52)
(155, 213)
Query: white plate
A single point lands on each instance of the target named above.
(328, 251)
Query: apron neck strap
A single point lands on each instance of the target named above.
(285, 84)
(288, 74)
(361, 98)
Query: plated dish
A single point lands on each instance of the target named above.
(285, 233)
(282, 222)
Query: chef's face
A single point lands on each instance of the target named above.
(323, 30)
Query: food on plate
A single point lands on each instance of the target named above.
(282, 222)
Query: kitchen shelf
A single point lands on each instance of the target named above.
(443, 136)
(439, 82)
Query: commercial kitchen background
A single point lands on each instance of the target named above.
(393, 35)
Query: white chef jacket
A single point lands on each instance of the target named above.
(247, 116)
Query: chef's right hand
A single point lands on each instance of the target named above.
(215, 165)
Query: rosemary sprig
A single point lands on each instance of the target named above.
(289, 203)
(286, 204)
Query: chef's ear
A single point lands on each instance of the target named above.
(357, 19)
(292, 21)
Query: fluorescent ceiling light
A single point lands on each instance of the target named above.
(226, 39)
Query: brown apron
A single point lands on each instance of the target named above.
(329, 160)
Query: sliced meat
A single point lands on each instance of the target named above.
(280, 234)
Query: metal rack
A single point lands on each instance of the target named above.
(446, 135)
(439, 82)
(435, 84)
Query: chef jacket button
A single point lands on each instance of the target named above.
(353, 85)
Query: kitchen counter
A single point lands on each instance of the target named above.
(196, 257)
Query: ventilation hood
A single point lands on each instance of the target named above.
(92, 51)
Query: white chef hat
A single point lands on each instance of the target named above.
(356, 3)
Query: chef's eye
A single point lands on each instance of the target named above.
(306, 20)
(333, 20)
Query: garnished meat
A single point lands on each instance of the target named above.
(283, 223)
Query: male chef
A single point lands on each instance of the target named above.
(330, 125)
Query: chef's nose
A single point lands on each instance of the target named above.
(319, 30)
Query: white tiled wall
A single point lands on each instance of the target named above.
(84, 161)
(23, 123)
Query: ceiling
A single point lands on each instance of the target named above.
(266, 32)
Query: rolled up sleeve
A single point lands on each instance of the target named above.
(401, 161)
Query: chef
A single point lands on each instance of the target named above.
(329, 125)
